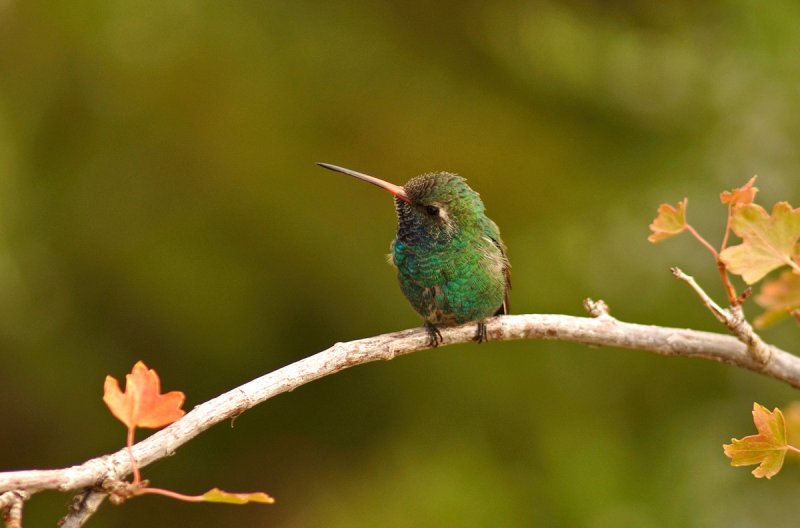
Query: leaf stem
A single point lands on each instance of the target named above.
(730, 291)
(733, 298)
(137, 477)
(170, 494)
(703, 241)
(727, 229)
(792, 448)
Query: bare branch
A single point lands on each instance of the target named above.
(601, 330)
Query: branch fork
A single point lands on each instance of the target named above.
(732, 317)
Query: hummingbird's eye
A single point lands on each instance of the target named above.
(432, 210)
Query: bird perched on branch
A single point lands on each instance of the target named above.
(450, 260)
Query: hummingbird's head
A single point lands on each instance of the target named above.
(431, 209)
(437, 207)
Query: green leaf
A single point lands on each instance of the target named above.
(217, 495)
(767, 448)
(768, 241)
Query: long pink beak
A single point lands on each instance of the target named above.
(392, 188)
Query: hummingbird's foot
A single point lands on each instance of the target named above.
(480, 333)
(434, 335)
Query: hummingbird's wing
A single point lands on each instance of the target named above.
(506, 307)
(492, 232)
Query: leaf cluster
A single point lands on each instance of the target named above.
(769, 241)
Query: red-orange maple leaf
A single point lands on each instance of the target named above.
(142, 404)
(743, 195)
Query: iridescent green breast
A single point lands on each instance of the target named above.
(450, 260)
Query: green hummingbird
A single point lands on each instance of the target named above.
(450, 260)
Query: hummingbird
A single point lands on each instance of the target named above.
(451, 262)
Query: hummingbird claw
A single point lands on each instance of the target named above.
(434, 335)
(480, 333)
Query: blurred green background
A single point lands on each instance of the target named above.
(159, 201)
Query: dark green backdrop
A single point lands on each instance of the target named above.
(159, 201)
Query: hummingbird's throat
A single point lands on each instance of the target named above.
(417, 226)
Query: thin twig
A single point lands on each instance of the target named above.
(83, 507)
(720, 313)
(733, 318)
(702, 240)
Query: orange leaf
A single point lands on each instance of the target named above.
(779, 297)
(767, 448)
(743, 195)
(669, 222)
(769, 241)
(142, 404)
(217, 495)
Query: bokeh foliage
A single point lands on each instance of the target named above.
(158, 201)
